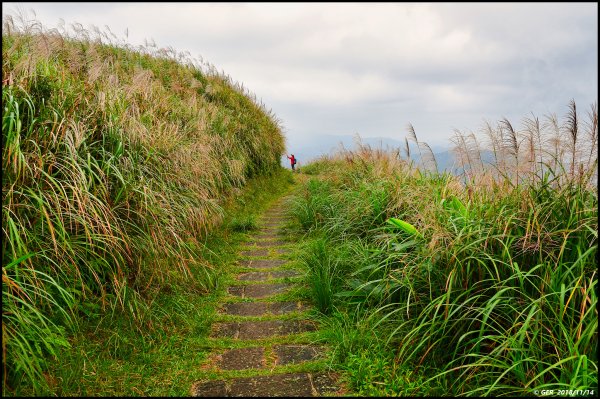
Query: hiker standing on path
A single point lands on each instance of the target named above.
(292, 161)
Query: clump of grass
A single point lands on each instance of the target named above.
(310, 207)
(243, 223)
(117, 162)
(317, 166)
(323, 271)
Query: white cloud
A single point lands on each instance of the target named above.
(374, 67)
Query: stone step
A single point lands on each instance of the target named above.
(297, 385)
(255, 252)
(272, 225)
(267, 244)
(269, 275)
(261, 308)
(266, 236)
(275, 215)
(241, 359)
(276, 212)
(270, 230)
(275, 229)
(294, 354)
(260, 329)
(263, 263)
(254, 357)
(258, 290)
(266, 223)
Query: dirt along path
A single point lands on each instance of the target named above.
(262, 341)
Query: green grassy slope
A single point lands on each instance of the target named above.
(116, 163)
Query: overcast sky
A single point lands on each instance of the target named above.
(346, 68)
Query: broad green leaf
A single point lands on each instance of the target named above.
(407, 227)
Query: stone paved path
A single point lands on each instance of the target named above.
(255, 323)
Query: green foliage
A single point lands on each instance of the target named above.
(316, 167)
(311, 207)
(464, 288)
(116, 164)
(109, 353)
(405, 226)
(323, 271)
(375, 373)
(243, 223)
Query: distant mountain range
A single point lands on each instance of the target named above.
(328, 144)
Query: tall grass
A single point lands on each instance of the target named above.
(116, 162)
(483, 282)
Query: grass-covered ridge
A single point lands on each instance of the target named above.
(483, 284)
(116, 163)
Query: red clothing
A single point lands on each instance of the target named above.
(292, 160)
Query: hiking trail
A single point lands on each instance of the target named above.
(259, 345)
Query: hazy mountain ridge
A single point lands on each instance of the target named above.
(328, 144)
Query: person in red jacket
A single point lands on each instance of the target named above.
(292, 161)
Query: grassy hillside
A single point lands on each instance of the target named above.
(116, 163)
(479, 284)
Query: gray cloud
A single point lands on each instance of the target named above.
(373, 68)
